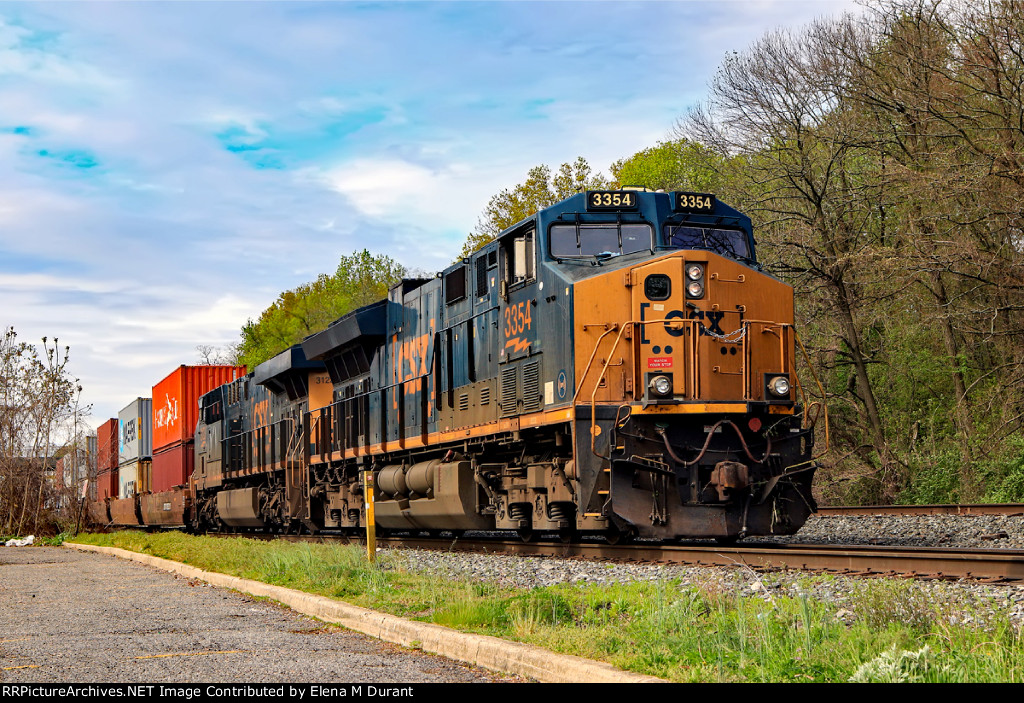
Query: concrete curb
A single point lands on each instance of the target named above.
(480, 650)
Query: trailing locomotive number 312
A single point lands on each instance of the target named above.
(517, 319)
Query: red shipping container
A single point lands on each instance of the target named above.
(107, 446)
(172, 466)
(106, 484)
(176, 400)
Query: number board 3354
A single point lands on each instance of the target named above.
(611, 200)
(694, 202)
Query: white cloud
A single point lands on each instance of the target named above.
(377, 188)
(40, 282)
(407, 193)
(20, 59)
(196, 318)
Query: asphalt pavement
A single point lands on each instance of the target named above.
(74, 617)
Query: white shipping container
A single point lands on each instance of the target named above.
(134, 478)
(136, 431)
(128, 480)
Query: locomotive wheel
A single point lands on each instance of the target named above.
(527, 535)
(616, 536)
(568, 536)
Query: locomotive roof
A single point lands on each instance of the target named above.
(275, 372)
(368, 321)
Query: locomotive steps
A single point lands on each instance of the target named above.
(481, 650)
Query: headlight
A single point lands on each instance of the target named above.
(779, 386)
(695, 272)
(695, 290)
(661, 385)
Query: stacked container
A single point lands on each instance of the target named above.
(136, 447)
(175, 414)
(107, 442)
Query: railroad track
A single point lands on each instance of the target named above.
(983, 565)
(986, 565)
(998, 565)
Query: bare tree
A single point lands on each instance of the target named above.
(38, 398)
(780, 114)
(210, 355)
(944, 82)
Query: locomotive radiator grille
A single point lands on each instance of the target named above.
(509, 390)
(531, 387)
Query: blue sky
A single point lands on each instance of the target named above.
(166, 169)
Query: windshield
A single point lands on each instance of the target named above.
(591, 240)
(729, 242)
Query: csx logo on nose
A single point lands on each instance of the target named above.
(711, 317)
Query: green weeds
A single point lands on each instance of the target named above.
(54, 541)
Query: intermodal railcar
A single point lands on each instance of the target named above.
(618, 364)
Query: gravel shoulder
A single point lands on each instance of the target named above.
(962, 531)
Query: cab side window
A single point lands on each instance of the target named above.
(519, 257)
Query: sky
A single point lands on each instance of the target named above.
(168, 168)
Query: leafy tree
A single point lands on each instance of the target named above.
(944, 80)
(680, 164)
(880, 159)
(782, 106)
(541, 189)
(359, 279)
(363, 278)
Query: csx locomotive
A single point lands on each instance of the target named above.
(618, 364)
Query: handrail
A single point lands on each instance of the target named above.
(604, 369)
